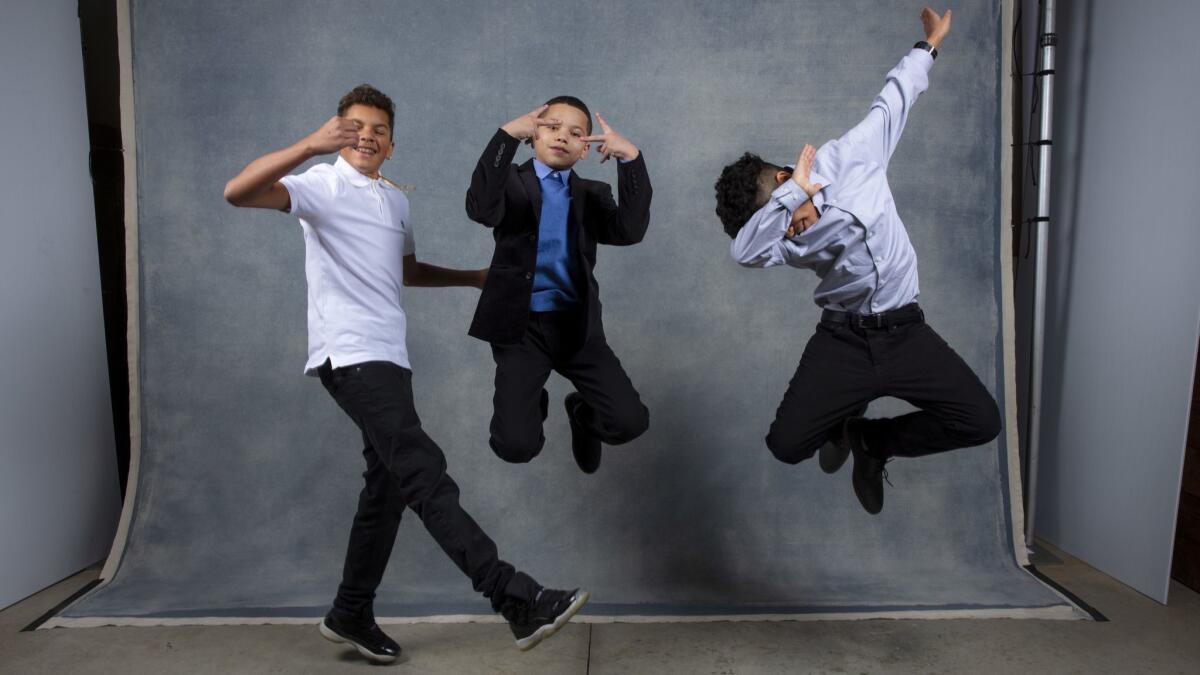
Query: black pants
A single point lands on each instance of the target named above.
(406, 468)
(845, 366)
(612, 410)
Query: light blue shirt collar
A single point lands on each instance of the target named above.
(543, 171)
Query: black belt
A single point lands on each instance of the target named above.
(910, 313)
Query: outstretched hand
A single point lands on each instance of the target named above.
(936, 27)
(611, 143)
(526, 125)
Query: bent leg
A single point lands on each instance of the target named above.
(956, 410)
(378, 397)
(612, 409)
(835, 379)
(519, 404)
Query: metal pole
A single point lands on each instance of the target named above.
(1045, 74)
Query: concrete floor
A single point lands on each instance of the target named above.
(1142, 637)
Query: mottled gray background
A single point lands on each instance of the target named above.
(249, 471)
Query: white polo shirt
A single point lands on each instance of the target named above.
(356, 234)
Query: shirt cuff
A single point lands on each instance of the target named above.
(790, 195)
(923, 57)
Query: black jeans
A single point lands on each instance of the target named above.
(612, 410)
(406, 468)
(844, 367)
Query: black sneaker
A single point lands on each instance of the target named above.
(869, 470)
(584, 445)
(551, 611)
(370, 641)
(836, 449)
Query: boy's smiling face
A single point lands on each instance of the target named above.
(374, 139)
(559, 146)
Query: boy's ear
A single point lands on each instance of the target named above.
(781, 176)
(586, 147)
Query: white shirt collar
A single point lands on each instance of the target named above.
(356, 177)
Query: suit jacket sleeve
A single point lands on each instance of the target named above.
(625, 222)
(485, 197)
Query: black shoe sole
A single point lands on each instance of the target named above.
(333, 636)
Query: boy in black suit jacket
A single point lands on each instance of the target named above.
(540, 306)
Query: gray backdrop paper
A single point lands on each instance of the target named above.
(250, 472)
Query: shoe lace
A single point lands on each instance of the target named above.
(885, 474)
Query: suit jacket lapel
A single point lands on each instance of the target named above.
(578, 195)
(533, 189)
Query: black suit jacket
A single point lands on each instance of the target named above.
(508, 199)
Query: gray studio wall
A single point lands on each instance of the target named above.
(1123, 301)
(58, 485)
(249, 471)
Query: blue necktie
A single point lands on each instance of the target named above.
(552, 284)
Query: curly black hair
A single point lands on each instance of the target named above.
(367, 95)
(742, 189)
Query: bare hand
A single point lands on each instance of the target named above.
(802, 218)
(611, 143)
(334, 135)
(936, 27)
(803, 168)
(526, 125)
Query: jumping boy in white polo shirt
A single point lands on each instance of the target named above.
(359, 253)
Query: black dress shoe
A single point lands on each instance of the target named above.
(370, 641)
(584, 445)
(836, 449)
(869, 470)
(532, 623)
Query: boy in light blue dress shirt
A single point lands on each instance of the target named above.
(834, 213)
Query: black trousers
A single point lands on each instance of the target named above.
(554, 341)
(845, 366)
(405, 468)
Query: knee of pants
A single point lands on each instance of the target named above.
(629, 424)
(983, 426)
(789, 448)
(516, 450)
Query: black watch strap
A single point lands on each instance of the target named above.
(927, 47)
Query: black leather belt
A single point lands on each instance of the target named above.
(910, 313)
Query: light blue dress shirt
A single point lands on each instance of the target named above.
(858, 247)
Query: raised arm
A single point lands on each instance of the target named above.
(881, 129)
(625, 220)
(258, 186)
(485, 196)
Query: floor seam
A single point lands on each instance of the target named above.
(588, 670)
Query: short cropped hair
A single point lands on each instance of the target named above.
(743, 188)
(577, 104)
(365, 94)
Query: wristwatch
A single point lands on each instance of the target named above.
(927, 47)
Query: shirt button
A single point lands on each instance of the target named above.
(879, 260)
(528, 276)
(532, 237)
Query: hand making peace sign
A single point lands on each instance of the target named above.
(526, 125)
(612, 144)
